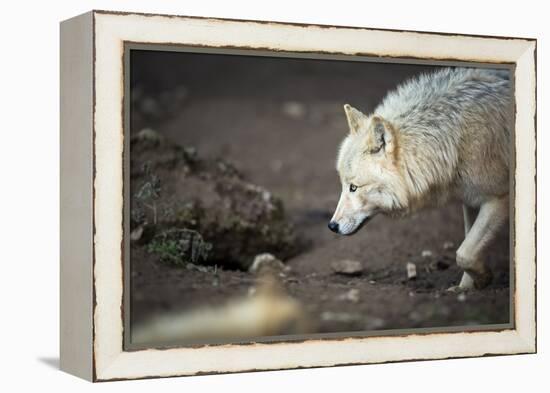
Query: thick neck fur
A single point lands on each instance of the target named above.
(425, 114)
(426, 164)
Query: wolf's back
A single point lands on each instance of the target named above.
(442, 94)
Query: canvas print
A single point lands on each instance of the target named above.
(278, 198)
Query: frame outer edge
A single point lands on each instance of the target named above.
(525, 253)
(76, 193)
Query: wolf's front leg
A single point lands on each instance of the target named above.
(470, 214)
(471, 253)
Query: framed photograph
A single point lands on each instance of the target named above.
(245, 195)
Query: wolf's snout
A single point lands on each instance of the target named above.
(333, 226)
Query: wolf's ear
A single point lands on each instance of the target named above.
(379, 136)
(355, 118)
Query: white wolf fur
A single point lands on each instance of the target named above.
(440, 135)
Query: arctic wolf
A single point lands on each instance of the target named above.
(439, 136)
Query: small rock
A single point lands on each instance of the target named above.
(148, 135)
(448, 245)
(411, 271)
(267, 262)
(293, 109)
(427, 254)
(439, 265)
(340, 317)
(352, 295)
(198, 268)
(136, 234)
(251, 291)
(374, 323)
(415, 316)
(347, 267)
(461, 297)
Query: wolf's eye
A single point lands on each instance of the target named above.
(352, 188)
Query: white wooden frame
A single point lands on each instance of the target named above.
(92, 144)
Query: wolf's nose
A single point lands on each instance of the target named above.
(333, 226)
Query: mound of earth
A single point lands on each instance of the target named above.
(190, 210)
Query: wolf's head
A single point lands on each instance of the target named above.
(368, 168)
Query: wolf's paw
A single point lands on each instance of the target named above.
(471, 280)
(457, 289)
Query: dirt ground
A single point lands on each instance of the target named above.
(279, 122)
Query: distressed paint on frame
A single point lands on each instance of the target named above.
(117, 364)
